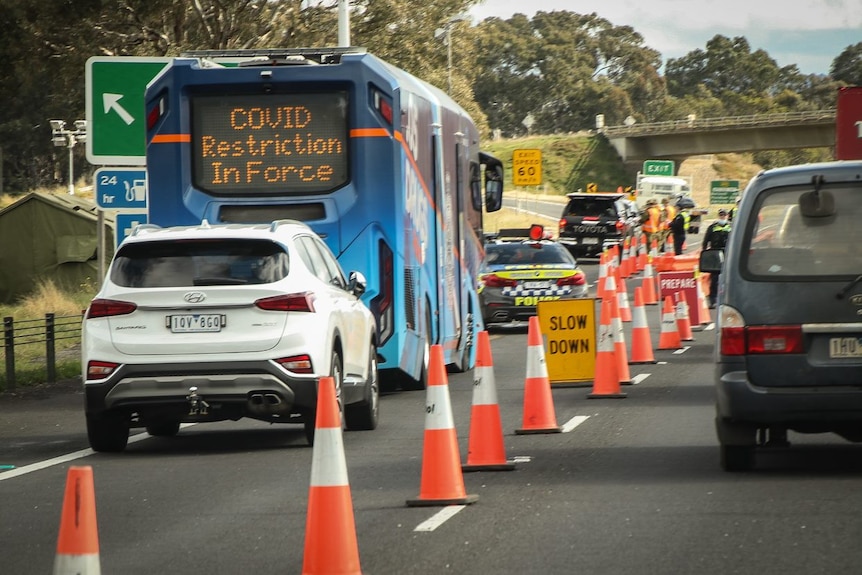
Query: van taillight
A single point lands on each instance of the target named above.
(289, 302)
(762, 339)
(108, 308)
(774, 339)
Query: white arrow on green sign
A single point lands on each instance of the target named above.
(116, 127)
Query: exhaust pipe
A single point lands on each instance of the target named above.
(272, 399)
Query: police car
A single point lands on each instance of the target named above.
(522, 268)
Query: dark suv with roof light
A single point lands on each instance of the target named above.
(592, 222)
(789, 332)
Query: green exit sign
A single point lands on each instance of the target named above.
(658, 168)
(116, 126)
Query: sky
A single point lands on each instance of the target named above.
(808, 33)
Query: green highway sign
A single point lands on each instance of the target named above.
(116, 126)
(723, 191)
(658, 168)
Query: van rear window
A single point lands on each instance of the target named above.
(780, 241)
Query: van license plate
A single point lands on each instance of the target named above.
(196, 322)
(841, 347)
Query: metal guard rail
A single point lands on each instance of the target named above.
(34, 331)
(700, 124)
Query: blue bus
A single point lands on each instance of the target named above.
(383, 166)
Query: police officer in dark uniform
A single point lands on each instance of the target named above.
(716, 238)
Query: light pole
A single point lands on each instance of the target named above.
(68, 138)
(446, 33)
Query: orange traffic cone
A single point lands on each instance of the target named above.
(641, 340)
(625, 262)
(683, 322)
(669, 336)
(633, 256)
(603, 275)
(625, 311)
(643, 253)
(78, 541)
(442, 480)
(620, 353)
(606, 381)
(330, 531)
(539, 414)
(648, 283)
(485, 450)
(611, 284)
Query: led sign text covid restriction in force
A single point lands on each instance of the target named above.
(272, 143)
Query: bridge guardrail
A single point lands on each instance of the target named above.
(653, 128)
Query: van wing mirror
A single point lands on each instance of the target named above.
(817, 203)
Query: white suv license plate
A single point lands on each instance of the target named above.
(196, 322)
(843, 347)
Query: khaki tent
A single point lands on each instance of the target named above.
(43, 237)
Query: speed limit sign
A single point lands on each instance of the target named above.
(527, 167)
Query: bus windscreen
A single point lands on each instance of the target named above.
(253, 144)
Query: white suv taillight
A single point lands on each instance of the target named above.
(100, 369)
(297, 363)
(108, 308)
(288, 302)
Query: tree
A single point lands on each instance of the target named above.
(847, 67)
(727, 66)
(563, 68)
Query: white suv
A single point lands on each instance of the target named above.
(212, 323)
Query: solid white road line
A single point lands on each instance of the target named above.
(60, 459)
(439, 518)
(574, 422)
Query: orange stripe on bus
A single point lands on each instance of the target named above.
(171, 139)
(369, 133)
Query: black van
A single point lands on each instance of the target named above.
(789, 323)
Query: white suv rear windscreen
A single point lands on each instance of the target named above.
(190, 263)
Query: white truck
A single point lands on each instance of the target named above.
(677, 189)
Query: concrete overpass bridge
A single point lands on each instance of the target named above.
(679, 139)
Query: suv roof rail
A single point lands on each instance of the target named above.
(276, 223)
(144, 227)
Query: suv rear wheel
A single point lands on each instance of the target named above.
(108, 432)
(337, 374)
